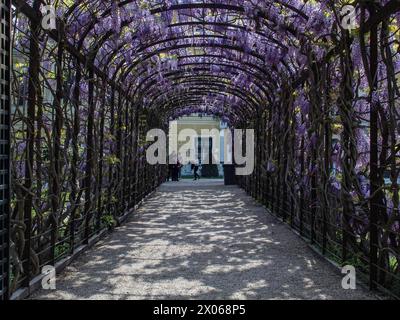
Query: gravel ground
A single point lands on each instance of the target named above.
(201, 241)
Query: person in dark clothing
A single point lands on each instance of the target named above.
(170, 172)
(195, 168)
(175, 173)
(179, 170)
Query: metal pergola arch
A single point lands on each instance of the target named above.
(204, 65)
(156, 11)
(280, 86)
(202, 80)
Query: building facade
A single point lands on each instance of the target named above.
(203, 143)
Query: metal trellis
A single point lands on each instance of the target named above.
(5, 98)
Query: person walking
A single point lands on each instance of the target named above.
(170, 172)
(195, 168)
(179, 166)
(173, 167)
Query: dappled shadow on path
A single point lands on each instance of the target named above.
(201, 241)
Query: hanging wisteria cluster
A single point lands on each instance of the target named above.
(322, 98)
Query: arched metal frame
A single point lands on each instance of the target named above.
(135, 97)
(172, 8)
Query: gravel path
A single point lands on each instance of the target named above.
(201, 241)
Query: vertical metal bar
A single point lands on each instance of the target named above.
(119, 153)
(326, 211)
(33, 101)
(130, 157)
(126, 153)
(301, 192)
(75, 195)
(292, 178)
(56, 190)
(5, 110)
(89, 157)
(313, 198)
(258, 158)
(269, 153)
(284, 188)
(377, 196)
(112, 150)
(135, 163)
(278, 190)
(375, 203)
(101, 156)
(264, 158)
(327, 157)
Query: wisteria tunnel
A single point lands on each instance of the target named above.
(80, 91)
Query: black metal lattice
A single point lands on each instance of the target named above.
(4, 146)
